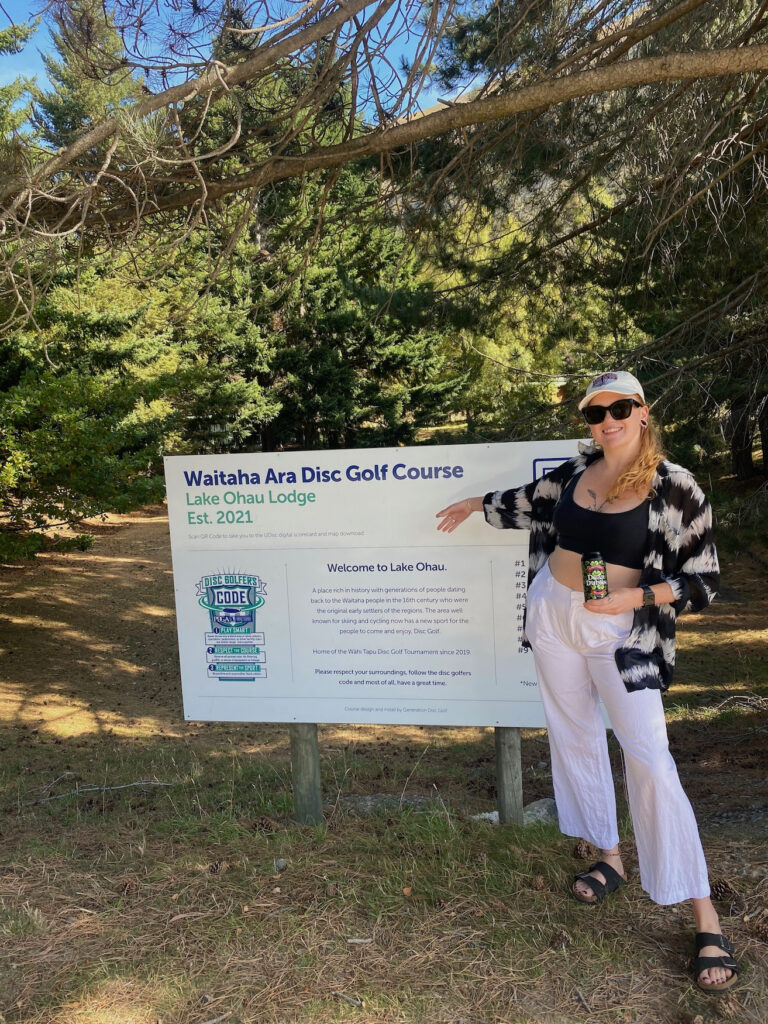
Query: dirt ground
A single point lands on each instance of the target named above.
(88, 648)
(89, 662)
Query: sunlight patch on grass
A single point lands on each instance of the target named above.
(156, 610)
(115, 1001)
(709, 641)
(730, 710)
(421, 917)
(68, 718)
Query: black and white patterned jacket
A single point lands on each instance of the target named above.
(679, 550)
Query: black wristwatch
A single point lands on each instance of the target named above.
(649, 598)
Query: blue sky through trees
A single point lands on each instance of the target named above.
(29, 63)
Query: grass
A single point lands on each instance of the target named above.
(163, 901)
(361, 902)
(167, 905)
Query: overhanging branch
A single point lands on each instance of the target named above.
(217, 78)
(673, 67)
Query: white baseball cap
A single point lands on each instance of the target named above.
(620, 382)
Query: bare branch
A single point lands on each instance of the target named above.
(85, 790)
(260, 30)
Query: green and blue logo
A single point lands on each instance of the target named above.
(232, 600)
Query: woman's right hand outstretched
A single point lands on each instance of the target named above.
(454, 515)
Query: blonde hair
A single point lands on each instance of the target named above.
(638, 476)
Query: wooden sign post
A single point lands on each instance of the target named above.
(307, 791)
(509, 775)
(305, 773)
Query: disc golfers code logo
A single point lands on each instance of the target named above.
(234, 649)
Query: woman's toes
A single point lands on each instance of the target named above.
(583, 890)
(714, 975)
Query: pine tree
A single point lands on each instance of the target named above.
(89, 77)
(346, 310)
(121, 363)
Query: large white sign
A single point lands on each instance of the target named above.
(315, 586)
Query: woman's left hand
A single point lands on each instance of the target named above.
(625, 599)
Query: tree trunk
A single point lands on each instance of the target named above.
(741, 429)
(762, 426)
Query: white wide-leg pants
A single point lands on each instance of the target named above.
(573, 650)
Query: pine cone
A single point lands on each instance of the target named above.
(560, 939)
(264, 824)
(583, 850)
(129, 887)
(759, 928)
(722, 889)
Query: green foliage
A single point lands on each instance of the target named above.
(667, 185)
(356, 359)
(14, 38)
(15, 547)
(14, 105)
(77, 419)
(742, 519)
(525, 340)
(701, 293)
(349, 319)
(89, 80)
(298, 340)
(305, 316)
(116, 375)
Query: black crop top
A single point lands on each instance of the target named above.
(618, 536)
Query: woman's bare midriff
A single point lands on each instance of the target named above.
(565, 566)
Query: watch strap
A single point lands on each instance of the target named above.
(649, 598)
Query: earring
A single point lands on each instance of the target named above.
(643, 423)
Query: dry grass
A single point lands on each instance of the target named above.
(163, 902)
(415, 917)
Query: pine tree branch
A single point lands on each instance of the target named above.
(218, 77)
(672, 67)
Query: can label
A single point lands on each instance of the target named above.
(594, 575)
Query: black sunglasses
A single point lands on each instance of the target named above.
(621, 409)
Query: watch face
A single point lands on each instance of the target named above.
(649, 598)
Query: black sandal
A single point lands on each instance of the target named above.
(613, 880)
(701, 963)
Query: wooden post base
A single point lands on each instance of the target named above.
(509, 775)
(305, 771)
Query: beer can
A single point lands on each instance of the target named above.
(594, 575)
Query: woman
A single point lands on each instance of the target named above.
(653, 526)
